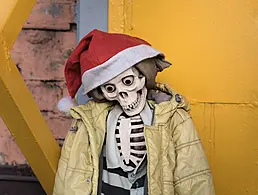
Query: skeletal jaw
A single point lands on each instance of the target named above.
(137, 106)
(132, 106)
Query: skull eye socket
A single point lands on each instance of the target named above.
(110, 88)
(128, 80)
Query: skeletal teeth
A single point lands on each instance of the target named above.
(133, 105)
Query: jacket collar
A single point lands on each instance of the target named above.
(164, 110)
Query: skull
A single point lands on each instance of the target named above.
(128, 89)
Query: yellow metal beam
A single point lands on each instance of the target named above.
(17, 106)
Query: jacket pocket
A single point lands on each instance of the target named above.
(79, 181)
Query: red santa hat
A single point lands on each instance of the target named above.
(101, 56)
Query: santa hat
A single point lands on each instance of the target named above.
(98, 58)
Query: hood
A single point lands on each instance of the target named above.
(165, 109)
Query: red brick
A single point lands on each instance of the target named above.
(9, 150)
(59, 124)
(46, 94)
(53, 15)
(41, 55)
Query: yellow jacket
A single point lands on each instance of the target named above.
(176, 160)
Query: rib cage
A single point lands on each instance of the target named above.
(137, 140)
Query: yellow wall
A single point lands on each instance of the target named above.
(213, 46)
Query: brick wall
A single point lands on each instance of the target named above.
(40, 53)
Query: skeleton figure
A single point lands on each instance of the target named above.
(134, 136)
(129, 90)
(125, 124)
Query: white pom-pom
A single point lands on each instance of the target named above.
(65, 104)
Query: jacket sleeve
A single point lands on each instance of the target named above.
(59, 186)
(192, 175)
